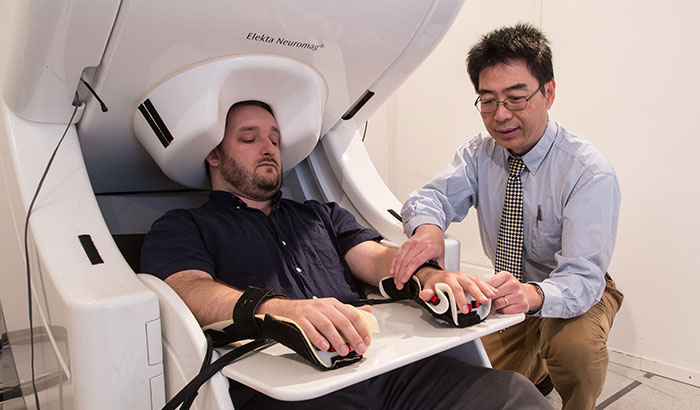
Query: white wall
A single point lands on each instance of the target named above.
(627, 80)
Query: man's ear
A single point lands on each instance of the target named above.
(214, 157)
(550, 88)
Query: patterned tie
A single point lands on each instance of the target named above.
(509, 249)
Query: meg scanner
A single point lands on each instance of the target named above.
(101, 335)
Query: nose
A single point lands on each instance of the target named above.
(502, 113)
(268, 148)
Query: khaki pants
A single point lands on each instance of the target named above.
(573, 351)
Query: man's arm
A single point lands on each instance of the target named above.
(430, 210)
(427, 243)
(589, 224)
(210, 301)
(325, 321)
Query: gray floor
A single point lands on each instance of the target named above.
(626, 388)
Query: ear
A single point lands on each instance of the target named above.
(214, 157)
(550, 89)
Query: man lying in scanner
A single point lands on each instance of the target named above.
(314, 254)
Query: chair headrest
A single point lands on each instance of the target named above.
(183, 117)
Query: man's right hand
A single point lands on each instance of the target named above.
(326, 322)
(427, 243)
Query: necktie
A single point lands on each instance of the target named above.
(509, 248)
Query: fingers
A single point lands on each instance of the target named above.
(500, 279)
(511, 303)
(426, 294)
(427, 244)
(478, 289)
(511, 296)
(327, 322)
(460, 283)
(409, 257)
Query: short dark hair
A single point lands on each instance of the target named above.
(256, 103)
(521, 42)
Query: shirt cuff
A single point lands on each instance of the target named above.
(552, 300)
(410, 226)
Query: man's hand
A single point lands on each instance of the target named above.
(460, 282)
(513, 295)
(325, 321)
(427, 243)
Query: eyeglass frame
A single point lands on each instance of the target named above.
(527, 101)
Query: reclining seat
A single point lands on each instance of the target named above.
(297, 96)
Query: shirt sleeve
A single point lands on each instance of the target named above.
(174, 244)
(448, 196)
(347, 230)
(588, 235)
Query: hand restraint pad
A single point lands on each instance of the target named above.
(442, 306)
(247, 325)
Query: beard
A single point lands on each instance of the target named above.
(258, 187)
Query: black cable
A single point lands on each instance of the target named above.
(364, 133)
(26, 255)
(103, 107)
(206, 362)
(209, 370)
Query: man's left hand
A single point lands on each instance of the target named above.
(513, 296)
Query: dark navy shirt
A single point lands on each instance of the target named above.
(298, 249)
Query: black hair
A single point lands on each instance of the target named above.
(255, 103)
(521, 42)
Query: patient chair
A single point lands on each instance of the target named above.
(184, 347)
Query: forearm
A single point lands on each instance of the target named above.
(370, 261)
(209, 301)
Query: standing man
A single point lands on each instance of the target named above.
(547, 202)
(247, 235)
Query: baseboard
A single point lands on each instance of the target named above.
(654, 366)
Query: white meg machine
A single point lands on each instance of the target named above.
(136, 92)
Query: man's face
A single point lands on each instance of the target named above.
(517, 131)
(249, 155)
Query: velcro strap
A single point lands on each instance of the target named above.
(411, 289)
(244, 325)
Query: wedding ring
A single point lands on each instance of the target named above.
(506, 300)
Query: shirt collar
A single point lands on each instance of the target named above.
(238, 202)
(533, 158)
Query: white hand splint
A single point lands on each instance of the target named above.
(442, 306)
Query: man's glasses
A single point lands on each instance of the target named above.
(490, 105)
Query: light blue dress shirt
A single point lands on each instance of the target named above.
(571, 203)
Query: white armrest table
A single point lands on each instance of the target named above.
(407, 333)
